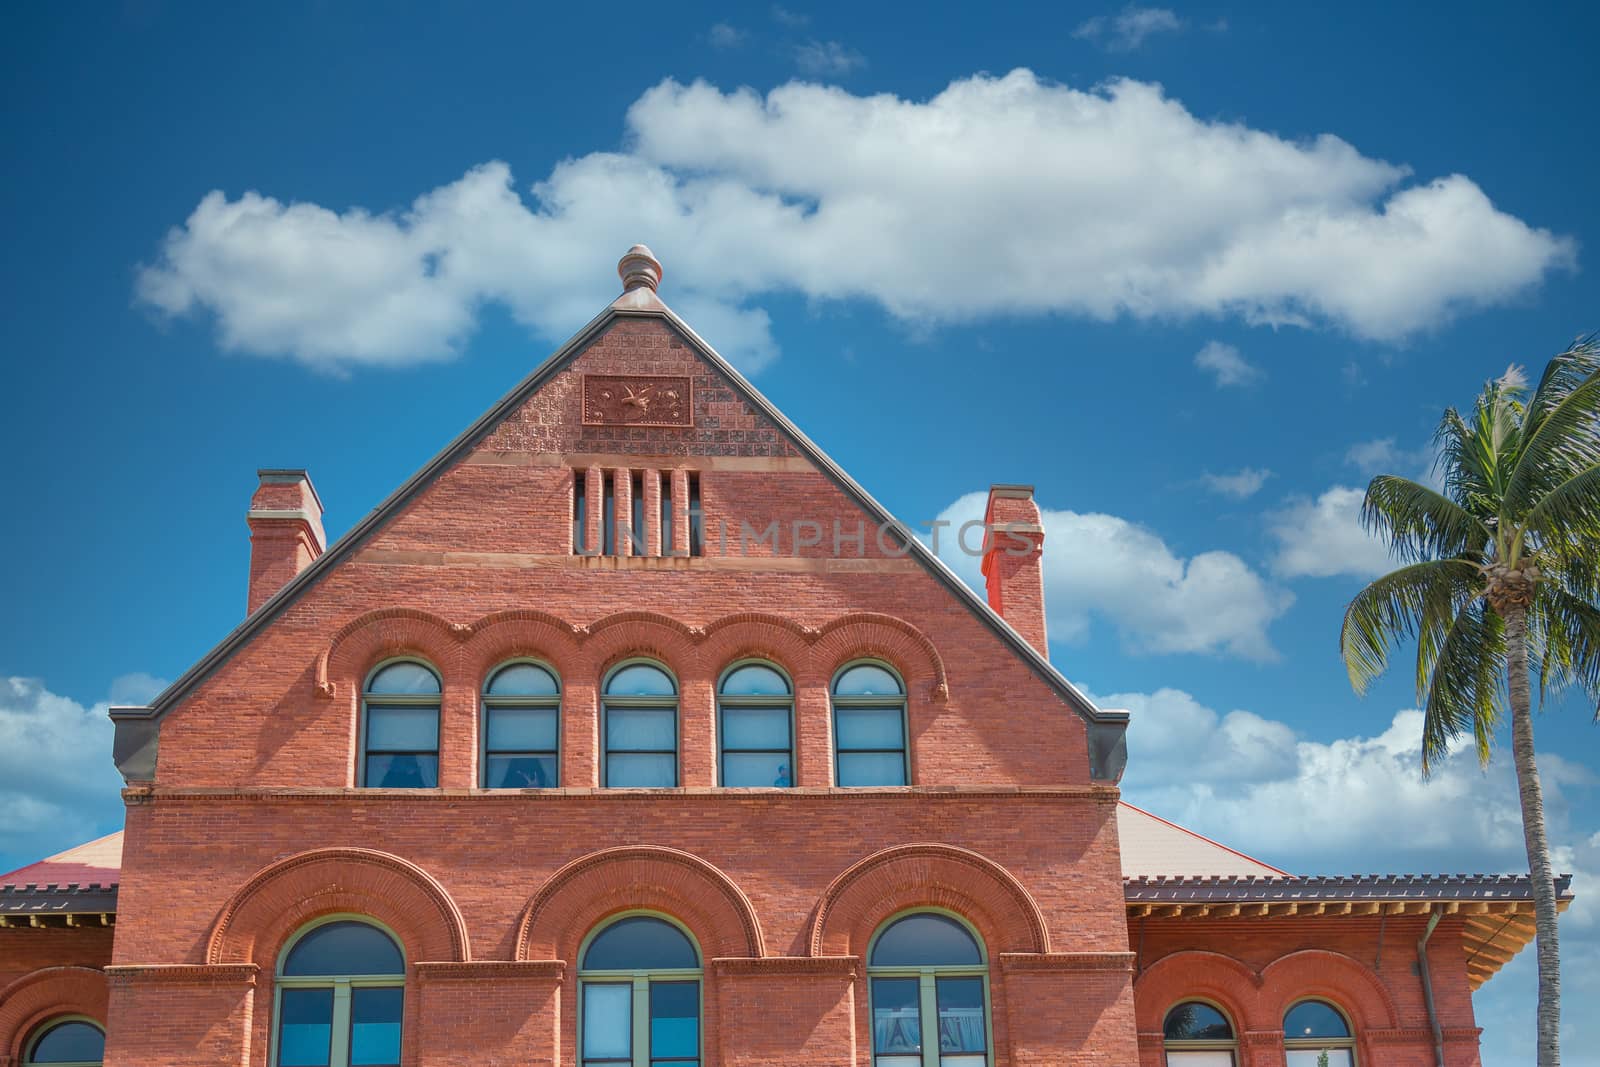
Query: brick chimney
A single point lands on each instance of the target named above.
(1013, 563)
(285, 531)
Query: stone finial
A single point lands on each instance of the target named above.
(639, 267)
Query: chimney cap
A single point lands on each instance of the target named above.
(639, 268)
(288, 476)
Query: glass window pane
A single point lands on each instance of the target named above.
(870, 727)
(1313, 1018)
(961, 1027)
(964, 1059)
(1194, 1021)
(755, 679)
(640, 680)
(520, 772)
(866, 680)
(898, 1061)
(766, 728)
(523, 680)
(305, 1027)
(757, 769)
(402, 772)
(1200, 1058)
(641, 729)
(70, 1042)
(926, 940)
(344, 948)
(607, 1022)
(409, 678)
(402, 729)
(1337, 1057)
(896, 1017)
(375, 1027)
(521, 730)
(872, 768)
(631, 771)
(640, 943)
(674, 1020)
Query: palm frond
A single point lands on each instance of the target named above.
(1465, 686)
(1412, 601)
(1561, 432)
(1570, 628)
(1568, 516)
(1461, 462)
(1420, 523)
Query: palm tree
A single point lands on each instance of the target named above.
(1501, 571)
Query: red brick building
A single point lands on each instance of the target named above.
(632, 731)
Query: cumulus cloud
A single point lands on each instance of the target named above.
(1105, 567)
(58, 786)
(1323, 537)
(825, 59)
(1129, 28)
(1243, 483)
(1224, 363)
(1111, 202)
(1384, 456)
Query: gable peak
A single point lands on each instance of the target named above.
(639, 268)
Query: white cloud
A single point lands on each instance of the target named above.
(791, 19)
(723, 35)
(1129, 28)
(58, 786)
(1226, 365)
(1243, 483)
(1107, 203)
(1384, 456)
(827, 59)
(1324, 537)
(1102, 566)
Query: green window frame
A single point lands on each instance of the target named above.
(381, 705)
(618, 708)
(654, 998)
(343, 990)
(49, 1027)
(864, 752)
(531, 764)
(1210, 1048)
(920, 1014)
(1303, 1046)
(740, 715)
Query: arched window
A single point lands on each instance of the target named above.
(641, 726)
(400, 727)
(521, 728)
(869, 726)
(71, 1042)
(930, 994)
(755, 726)
(640, 990)
(1313, 1029)
(1198, 1035)
(340, 995)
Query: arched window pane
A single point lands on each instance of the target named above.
(1195, 1021)
(70, 1042)
(523, 680)
(641, 680)
(640, 943)
(344, 948)
(754, 679)
(866, 680)
(1314, 1019)
(404, 679)
(926, 940)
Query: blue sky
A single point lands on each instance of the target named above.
(1194, 273)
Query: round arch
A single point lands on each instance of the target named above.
(519, 634)
(45, 994)
(1322, 974)
(1195, 974)
(388, 633)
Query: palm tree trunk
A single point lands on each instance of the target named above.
(1533, 834)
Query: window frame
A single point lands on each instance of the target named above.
(739, 703)
(423, 700)
(44, 1028)
(927, 988)
(344, 984)
(1320, 1044)
(902, 700)
(608, 701)
(1230, 1045)
(486, 702)
(640, 979)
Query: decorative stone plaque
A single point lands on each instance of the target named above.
(636, 400)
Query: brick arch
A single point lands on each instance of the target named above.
(524, 632)
(261, 917)
(754, 635)
(380, 634)
(858, 901)
(1322, 974)
(871, 635)
(642, 633)
(41, 995)
(582, 893)
(1194, 974)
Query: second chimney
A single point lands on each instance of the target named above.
(285, 531)
(1013, 561)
